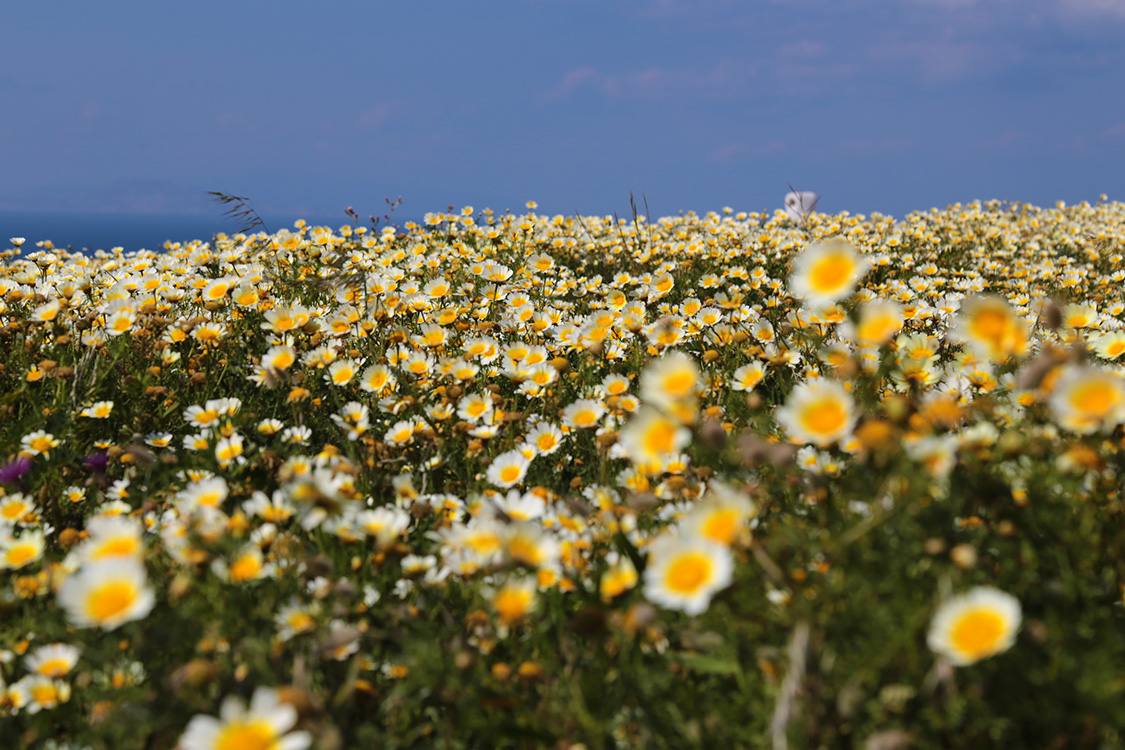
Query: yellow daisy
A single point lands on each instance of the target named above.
(107, 594)
(820, 412)
(975, 625)
(684, 572)
(264, 725)
(989, 326)
(826, 272)
(1088, 399)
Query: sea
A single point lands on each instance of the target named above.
(92, 232)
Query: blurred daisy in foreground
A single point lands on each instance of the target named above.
(826, 272)
(264, 725)
(721, 515)
(107, 594)
(19, 551)
(1109, 345)
(879, 321)
(991, 328)
(1088, 399)
(14, 507)
(514, 600)
(114, 537)
(820, 412)
(651, 438)
(44, 693)
(674, 376)
(684, 572)
(975, 625)
(620, 576)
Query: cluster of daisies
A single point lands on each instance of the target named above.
(515, 401)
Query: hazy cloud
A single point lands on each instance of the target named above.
(1012, 140)
(572, 81)
(1114, 132)
(375, 117)
(947, 58)
(720, 79)
(802, 48)
(1112, 8)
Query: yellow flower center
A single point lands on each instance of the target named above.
(878, 328)
(509, 474)
(660, 438)
(680, 384)
(1116, 349)
(110, 599)
(119, 547)
(247, 735)
(585, 418)
(688, 573)
(525, 551)
(300, 622)
(832, 273)
(751, 379)
(245, 568)
(42, 444)
(721, 525)
(20, 555)
(54, 668)
(12, 511)
(546, 442)
(483, 543)
(824, 417)
(992, 326)
(617, 582)
(45, 695)
(977, 634)
(1095, 398)
(512, 604)
(231, 450)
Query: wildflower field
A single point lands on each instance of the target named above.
(520, 481)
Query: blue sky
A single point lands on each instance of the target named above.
(879, 105)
